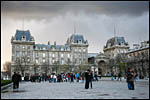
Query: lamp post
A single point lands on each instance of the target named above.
(95, 65)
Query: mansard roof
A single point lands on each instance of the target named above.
(76, 37)
(116, 41)
(20, 33)
(41, 46)
(58, 47)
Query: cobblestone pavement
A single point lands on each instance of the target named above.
(103, 89)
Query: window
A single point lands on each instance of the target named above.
(53, 60)
(44, 48)
(28, 47)
(23, 48)
(68, 48)
(68, 55)
(44, 55)
(28, 59)
(17, 48)
(75, 50)
(62, 61)
(53, 48)
(62, 55)
(23, 53)
(37, 54)
(17, 53)
(28, 53)
(62, 49)
(53, 55)
(43, 60)
(79, 50)
(79, 41)
(23, 37)
(84, 50)
(37, 61)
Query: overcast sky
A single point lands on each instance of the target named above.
(55, 20)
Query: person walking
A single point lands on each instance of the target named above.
(95, 76)
(130, 79)
(119, 76)
(87, 79)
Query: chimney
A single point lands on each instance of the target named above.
(48, 42)
(55, 43)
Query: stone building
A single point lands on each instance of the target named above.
(138, 59)
(30, 58)
(114, 46)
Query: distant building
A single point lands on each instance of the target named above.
(40, 58)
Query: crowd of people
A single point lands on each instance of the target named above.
(62, 77)
(86, 77)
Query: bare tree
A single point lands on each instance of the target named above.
(121, 62)
(111, 63)
(22, 63)
(45, 67)
(56, 66)
(7, 68)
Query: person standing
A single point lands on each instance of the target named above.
(39, 79)
(54, 77)
(77, 77)
(130, 79)
(136, 77)
(119, 76)
(18, 79)
(95, 76)
(112, 76)
(72, 76)
(82, 77)
(91, 78)
(87, 79)
(14, 79)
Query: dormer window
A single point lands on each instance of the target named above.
(23, 38)
(79, 41)
(62, 49)
(68, 48)
(44, 48)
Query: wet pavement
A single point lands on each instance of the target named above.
(103, 89)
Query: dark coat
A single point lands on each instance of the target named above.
(130, 77)
(87, 76)
(15, 78)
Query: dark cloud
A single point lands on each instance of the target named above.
(50, 9)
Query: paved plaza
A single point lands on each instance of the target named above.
(103, 89)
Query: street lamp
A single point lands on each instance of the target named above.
(95, 65)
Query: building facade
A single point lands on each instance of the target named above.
(136, 58)
(114, 46)
(30, 58)
(139, 59)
